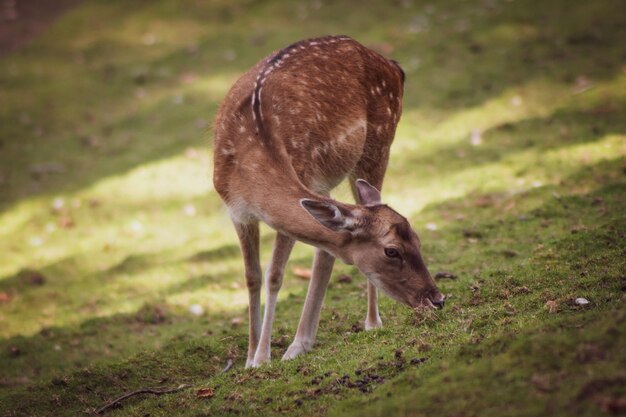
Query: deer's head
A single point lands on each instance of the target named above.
(382, 244)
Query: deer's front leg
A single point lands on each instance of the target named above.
(307, 328)
(249, 241)
(372, 321)
(273, 282)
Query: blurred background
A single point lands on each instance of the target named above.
(113, 242)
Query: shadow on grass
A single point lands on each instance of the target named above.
(498, 47)
(56, 350)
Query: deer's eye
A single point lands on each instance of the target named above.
(392, 253)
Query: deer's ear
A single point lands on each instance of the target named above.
(368, 194)
(329, 215)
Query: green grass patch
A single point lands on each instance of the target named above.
(510, 160)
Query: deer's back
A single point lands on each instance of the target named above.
(310, 110)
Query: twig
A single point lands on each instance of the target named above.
(558, 198)
(229, 365)
(154, 391)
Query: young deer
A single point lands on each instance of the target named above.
(290, 130)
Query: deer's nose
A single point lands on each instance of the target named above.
(438, 300)
(439, 304)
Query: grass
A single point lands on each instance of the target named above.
(510, 161)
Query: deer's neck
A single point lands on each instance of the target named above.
(284, 213)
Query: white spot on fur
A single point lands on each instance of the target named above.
(242, 129)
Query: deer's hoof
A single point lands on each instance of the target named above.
(295, 349)
(258, 361)
(373, 324)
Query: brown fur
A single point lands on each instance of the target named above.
(292, 128)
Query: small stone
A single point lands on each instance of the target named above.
(580, 301)
(516, 101)
(476, 137)
(189, 210)
(136, 227)
(58, 203)
(196, 309)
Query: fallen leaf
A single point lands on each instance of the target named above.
(345, 279)
(301, 272)
(611, 405)
(521, 290)
(486, 200)
(5, 297)
(552, 306)
(38, 171)
(445, 274)
(582, 84)
(205, 393)
(543, 383)
(14, 351)
(471, 233)
(32, 277)
(66, 221)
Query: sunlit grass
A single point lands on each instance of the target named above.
(508, 160)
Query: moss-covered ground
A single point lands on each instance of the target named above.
(510, 160)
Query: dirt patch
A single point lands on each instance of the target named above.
(23, 20)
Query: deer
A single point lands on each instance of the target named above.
(290, 129)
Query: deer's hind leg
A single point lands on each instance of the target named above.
(249, 242)
(372, 168)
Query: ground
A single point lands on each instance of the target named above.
(119, 269)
